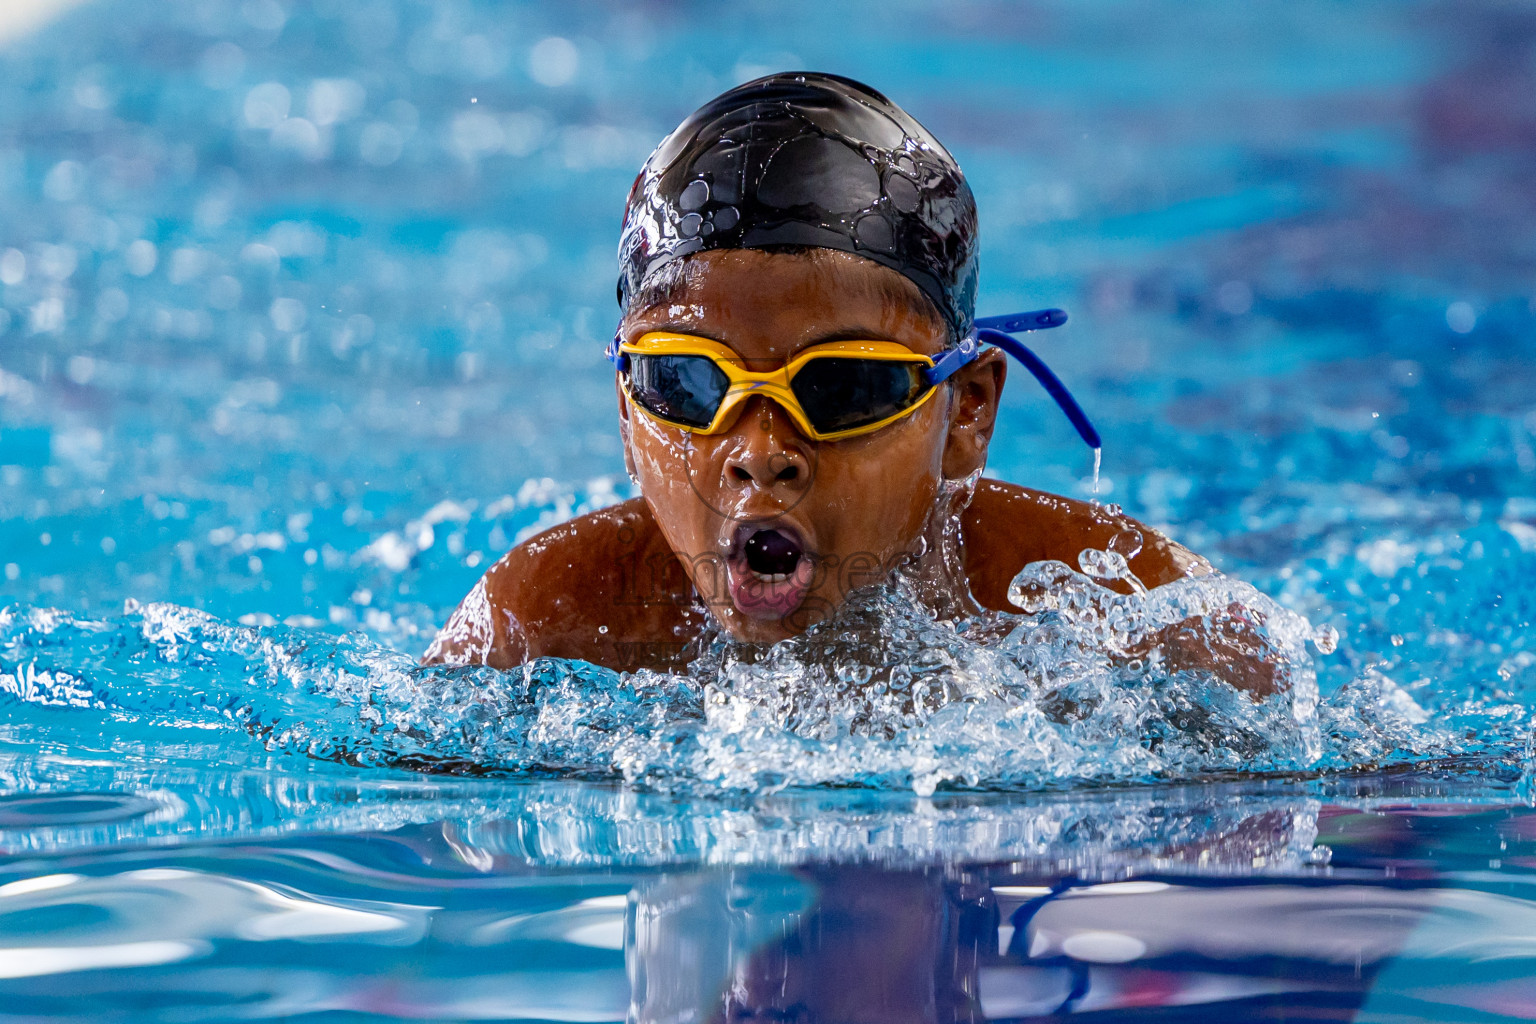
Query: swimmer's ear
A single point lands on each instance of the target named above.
(974, 392)
(624, 427)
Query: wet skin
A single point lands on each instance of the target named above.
(628, 586)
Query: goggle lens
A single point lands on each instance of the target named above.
(845, 394)
(681, 389)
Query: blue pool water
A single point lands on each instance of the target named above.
(301, 316)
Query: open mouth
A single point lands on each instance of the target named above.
(772, 554)
(770, 571)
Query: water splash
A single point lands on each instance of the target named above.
(1091, 685)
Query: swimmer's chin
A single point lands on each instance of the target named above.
(766, 630)
(757, 631)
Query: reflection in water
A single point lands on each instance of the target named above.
(863, 944)
(1320, 906)
(823, 944)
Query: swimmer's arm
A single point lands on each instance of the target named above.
(520, 609)
(603, 588)
(1229, 646)
(472, 637)
(1007, 527)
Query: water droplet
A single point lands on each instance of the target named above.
(1031, 597)
(1042, 586)
(689, 226)
(1096, 563)
(1127, 544)
(725, 218)
(1098, 459)
(1461, 317)
(1326, 639)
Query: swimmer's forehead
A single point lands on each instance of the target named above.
(790, 300)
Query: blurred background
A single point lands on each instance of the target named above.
(302, 304)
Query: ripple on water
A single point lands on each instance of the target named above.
(42, 810)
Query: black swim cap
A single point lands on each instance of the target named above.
(807, 159)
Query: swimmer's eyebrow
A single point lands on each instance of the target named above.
(681, 327)
(850, 334)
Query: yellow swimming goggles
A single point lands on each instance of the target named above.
(831, 391)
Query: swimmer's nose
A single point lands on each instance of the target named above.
(767, 451)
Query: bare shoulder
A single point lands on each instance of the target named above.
(603, 587)
(1007, 527)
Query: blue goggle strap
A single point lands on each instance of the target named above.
(619, 360)
(999, 331)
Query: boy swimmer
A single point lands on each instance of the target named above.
(805, 400)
